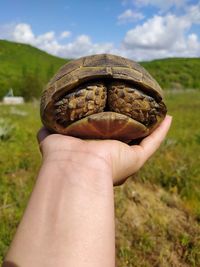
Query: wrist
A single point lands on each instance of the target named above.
(78, 167)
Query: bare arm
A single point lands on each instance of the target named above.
(69, 220)
(69, 216)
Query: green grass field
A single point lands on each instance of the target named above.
(157, 210)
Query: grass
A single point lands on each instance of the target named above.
(157, 211)
(179, 154)
(19, 161)
(19, 60)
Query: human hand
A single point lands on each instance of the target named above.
(120, 159)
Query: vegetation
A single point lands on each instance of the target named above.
(175, 73)
(27, 69)
(157, 211)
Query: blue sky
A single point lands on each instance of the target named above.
(140, 29)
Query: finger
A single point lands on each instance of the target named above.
(42, 134)
(125, 162)
(152, 142)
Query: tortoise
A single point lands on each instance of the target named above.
(103, 96)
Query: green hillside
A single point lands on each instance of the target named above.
(27, 69)
(176, 73)
(21, 64)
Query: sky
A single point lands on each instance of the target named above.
(140, 29)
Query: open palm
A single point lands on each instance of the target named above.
(123, 160)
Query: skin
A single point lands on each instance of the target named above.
(69, 219)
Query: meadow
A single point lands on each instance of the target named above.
(157, 210)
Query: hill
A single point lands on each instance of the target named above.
(21, 63)
(27, 69)
(175, 73)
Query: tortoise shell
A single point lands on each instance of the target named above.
(94, 69)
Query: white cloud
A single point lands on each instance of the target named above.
(129, 16)
(65, 34)
(193, 42)
(49, 42)
(193, 13)
(82, 46)
(157, 37)
(160, 4)
(157, 33)
(162, 36)
(23, 33)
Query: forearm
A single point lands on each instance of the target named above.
(69, 220)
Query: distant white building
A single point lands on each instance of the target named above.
(13, 100)
(10, 99)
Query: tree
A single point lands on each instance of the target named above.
(31, 86)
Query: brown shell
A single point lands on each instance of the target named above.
(94, 67)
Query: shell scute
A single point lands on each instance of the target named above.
(105, 66)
